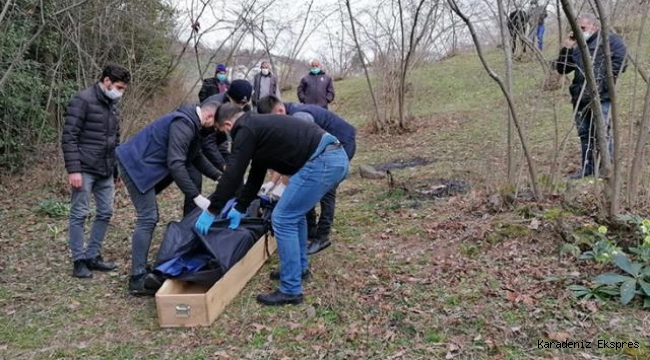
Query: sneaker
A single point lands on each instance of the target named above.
(137, 286)
(318, 245)
(275, 275)
(277, 297)
(99, 264)
(80, 270)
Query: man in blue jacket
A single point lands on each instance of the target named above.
(150, 161)
(319, 232)
(315, 160)
(572, 60)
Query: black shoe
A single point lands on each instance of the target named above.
(318, 245)
(278, 298)
(153, 280)
(275, 275)
(137, 286)
(81, 270)
(99, 264)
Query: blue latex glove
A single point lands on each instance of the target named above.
(235, 218)
(204, 222)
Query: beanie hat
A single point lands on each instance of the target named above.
(221, 68)
(240, 91)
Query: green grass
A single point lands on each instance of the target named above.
(406, 277)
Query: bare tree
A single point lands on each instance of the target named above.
(531, 165)
(379, 123)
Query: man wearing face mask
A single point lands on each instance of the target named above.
(90, 135)
(316, 88)
(150, 161)
(572, 60)
(265, 83)
(217, 85)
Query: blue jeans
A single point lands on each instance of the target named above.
(540, 36)
(146, 209)
(103, 189)
(322, 172)
(587, 133)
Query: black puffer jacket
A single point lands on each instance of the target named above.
(91, 133)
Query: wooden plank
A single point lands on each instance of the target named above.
(234, 281)
(181, 304)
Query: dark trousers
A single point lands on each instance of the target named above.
(587, 133)
(320, 228)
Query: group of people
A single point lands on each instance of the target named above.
(222, 136)
(305, 145)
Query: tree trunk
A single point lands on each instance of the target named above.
(507, 53)
(379, 122)
(615, 185)
(511, 105)
(642, 139)
(595, 104)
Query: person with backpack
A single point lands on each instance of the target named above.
(318, 231)
(571, 59)
(215, 85)
(317, 163)
(90, 135)
(150, 161)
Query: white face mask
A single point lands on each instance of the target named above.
(113, 93)
(586, 34)
(265, 71)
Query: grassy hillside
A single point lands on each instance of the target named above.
(410, 275)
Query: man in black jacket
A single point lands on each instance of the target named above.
(572, 60)
(90, 135)
(317, 163)
(150, 161)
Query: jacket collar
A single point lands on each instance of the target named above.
(101, 96)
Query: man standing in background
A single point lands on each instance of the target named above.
(571, 59)
(90, 135)
(265, 83)
(316, 88)
(538, 16)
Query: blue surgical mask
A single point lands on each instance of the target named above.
(222, 77)
(113, 94)
(315, 70)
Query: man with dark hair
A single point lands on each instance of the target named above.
(316, 88)
(317, 163)
(572, 60)
(215, 144)
(319, 233)
(90, 135)
(150, 161)
(215, 85)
